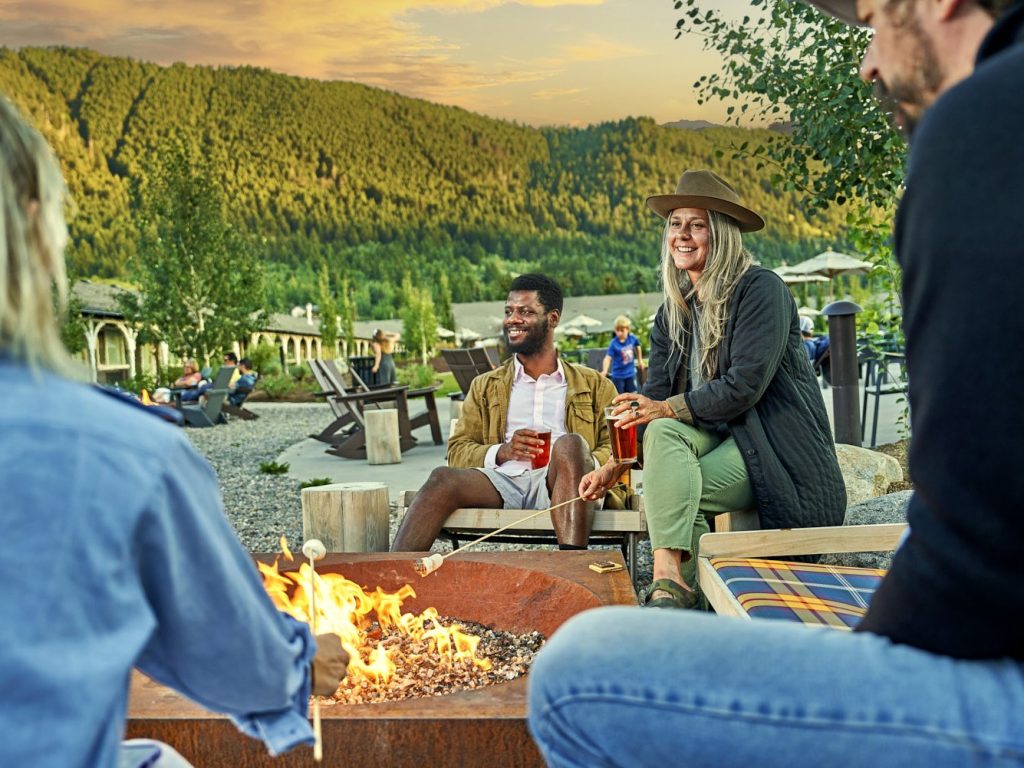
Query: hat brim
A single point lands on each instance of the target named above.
(844, 10)
(746, 219)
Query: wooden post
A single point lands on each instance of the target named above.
(382, 439)
(347, 517)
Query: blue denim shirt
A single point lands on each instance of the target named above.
(116, 553)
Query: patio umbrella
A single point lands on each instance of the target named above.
(808, 312)
(466, 334)
(830, 264)
(583, 321)
(574, 331)
(444, 333)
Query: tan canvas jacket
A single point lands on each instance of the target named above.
(482, 423)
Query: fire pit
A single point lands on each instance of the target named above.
(516, 591)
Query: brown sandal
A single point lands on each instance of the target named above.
(680, 598)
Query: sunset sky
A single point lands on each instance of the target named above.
(540, 62)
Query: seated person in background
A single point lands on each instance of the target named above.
(624, 357)
(816, 347)
(491, 450)
(114, 560)
(190, 376)
(230, 358)
(244, 384)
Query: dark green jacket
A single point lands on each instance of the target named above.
(766, 396)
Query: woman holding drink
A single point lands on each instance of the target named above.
(732, 412)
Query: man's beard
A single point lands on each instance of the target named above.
(917, 91)
(531, 342)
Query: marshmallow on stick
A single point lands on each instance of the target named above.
(427, 565)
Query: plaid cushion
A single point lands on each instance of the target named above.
(824, 595)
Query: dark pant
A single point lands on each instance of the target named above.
(625, 384)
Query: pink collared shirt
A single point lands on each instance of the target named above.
(533, 402)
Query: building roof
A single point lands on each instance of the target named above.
(485, 317)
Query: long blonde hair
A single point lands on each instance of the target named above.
(727, 260)
(33, 236)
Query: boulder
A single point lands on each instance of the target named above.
(867, 473)
(891, 508)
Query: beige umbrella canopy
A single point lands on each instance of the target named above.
(830, 264)
(792, 279)
(444, 333)
(583, 321)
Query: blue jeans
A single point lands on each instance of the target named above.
(635, 687)
(624, 384)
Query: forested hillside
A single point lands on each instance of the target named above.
(375, 184)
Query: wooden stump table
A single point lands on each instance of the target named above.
(382, 438)
(347, 517)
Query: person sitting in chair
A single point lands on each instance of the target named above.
(244, 383)
(494, 448)
(817, 349)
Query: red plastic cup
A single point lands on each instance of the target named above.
(542, 459)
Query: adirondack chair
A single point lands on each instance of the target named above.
(421, 419)
(210, 413)
(347, 433)
(466, 365)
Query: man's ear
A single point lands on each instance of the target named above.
(555, 317)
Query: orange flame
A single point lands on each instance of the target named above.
(345, 609)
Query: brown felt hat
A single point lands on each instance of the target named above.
(704, 189)
(844, 10)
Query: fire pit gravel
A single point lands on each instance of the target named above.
(422, 674)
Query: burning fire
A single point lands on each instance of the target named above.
(345, 609)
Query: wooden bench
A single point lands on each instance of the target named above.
(624, 527)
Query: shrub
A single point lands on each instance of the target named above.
(298, 372)
(315, 482)
(266, 359)
(276, 385)
(416, 376)
(273, 468)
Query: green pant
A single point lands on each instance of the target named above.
(690, 474)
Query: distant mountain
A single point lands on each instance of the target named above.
(691, 125)
(376, 185)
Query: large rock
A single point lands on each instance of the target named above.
(867, 473)
(884, 509)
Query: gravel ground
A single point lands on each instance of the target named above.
(262, 507)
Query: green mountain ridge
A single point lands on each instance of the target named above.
(377, 185)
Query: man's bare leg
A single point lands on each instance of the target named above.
(445, 491)
(570, 460)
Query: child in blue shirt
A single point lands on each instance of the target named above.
(623, 357)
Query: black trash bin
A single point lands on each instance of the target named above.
(362, 365)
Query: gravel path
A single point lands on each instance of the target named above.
(260, 506)
(263, 507)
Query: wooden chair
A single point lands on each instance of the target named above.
(738, 578)
(467, 364)
(426, 417)
(347, 433)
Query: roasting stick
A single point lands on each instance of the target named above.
(427, 565)
(315, 550)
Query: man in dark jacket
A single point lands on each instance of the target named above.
(936, 674)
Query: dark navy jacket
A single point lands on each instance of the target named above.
(766, 395)
(956, 587)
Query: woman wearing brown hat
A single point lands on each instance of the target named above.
(734, 416)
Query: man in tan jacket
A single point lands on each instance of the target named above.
(498, 438)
